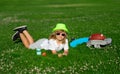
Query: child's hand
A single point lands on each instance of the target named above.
(65, 54)
(60, 55)
(54, 52)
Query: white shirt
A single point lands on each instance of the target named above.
(52, 45)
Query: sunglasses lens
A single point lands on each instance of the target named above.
(57, 33)
(63, 34)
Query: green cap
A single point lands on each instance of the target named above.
(60, 26)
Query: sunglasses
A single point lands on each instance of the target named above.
(62, 34)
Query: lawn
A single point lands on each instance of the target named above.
(82, 17)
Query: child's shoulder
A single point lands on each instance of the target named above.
(66, 39)
(52, 40)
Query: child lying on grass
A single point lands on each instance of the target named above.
(56, 42)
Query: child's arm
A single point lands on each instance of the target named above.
(65, 52)
(66, 47)
(54, 52)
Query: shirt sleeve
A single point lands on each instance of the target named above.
(66, 46)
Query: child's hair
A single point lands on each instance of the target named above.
(53, 35)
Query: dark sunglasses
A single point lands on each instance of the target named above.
(62, 34)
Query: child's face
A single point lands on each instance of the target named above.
(60, 35)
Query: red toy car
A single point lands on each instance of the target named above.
(97, 36)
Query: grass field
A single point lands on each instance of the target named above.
(82, 17)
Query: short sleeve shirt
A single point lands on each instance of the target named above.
(52, 45)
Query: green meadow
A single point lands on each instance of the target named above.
(82, 18)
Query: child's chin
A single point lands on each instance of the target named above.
(60, 39)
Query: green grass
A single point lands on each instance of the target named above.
(82, 17)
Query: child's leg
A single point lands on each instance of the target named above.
(24, 40)
(28, 37)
